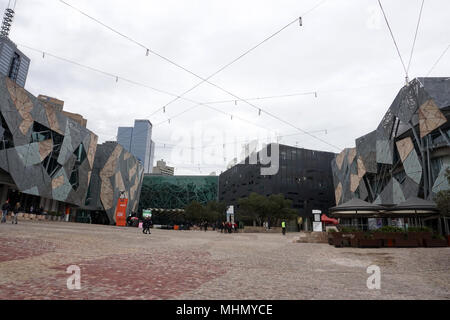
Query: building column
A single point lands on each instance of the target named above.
(3, 193)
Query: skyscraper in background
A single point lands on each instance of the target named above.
(138, 141)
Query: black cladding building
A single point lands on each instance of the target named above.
(304, 176)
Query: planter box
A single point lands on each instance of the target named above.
(407, 243)
(369, 243)
(354, 242)
(434, 243)
(419, 236)
(335, 238)
(389, 243)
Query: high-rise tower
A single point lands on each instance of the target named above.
(13, 63)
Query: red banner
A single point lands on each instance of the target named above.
(121, 212)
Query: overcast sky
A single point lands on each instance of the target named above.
(343, 52)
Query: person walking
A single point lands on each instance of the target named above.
(16, 210)
(283, 227)
(146, 225)
(5, 208)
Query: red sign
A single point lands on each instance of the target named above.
(121, 212)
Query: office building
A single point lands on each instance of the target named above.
(138, 141)
(162, 169)
(304, 176)
(13, 63)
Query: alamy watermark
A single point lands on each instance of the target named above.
(206, 146)
(374, 280)
(74, 280)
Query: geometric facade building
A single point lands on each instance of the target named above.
(116, 173)
(176, 192)
(138, 141)
(43, 153)
(407, 155)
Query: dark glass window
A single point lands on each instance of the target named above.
(14, 67)
(6, 138)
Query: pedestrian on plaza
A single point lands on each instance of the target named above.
(283, 227)
(16, 210)
(205, 225)
(5, 208)
(222, 227)
(146, 225)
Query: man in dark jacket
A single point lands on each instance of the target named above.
(146, 225)
(5, 208)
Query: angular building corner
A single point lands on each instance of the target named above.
(49, 160)
(407, 155)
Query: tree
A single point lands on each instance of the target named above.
(194, 212)
(443, 198)
(215, 211)
(260, 208)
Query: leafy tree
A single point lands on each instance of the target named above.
(260, 208)
(443, 198)
(194, 212)
(215, 211)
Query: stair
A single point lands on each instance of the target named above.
(312, 237)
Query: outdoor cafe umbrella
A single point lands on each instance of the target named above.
(413, 207)
(356, 208)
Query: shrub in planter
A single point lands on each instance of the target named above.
(389, 229)
(349, 230)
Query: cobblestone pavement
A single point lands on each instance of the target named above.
(123, 263)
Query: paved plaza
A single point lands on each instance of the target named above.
(123, 263)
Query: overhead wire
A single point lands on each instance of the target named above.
(139, 84)
(203, 80)
(393, 39)
(415, 36)
(438, 60)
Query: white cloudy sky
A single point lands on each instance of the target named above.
(343, 52)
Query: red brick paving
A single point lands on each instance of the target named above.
(122, 263)
(126, 276)
(22, 248)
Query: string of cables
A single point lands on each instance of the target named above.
(203, 80)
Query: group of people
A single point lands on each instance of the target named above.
(6, 208)
(228, 227)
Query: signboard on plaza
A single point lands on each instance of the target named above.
(317, 226)
(230, 214)
(317, 214)
(121, 212)
(147, 213)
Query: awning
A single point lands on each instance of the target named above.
(325, 219)
(356, 208)
(413, 206)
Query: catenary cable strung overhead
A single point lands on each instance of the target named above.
(260, 110)
(139, 84)
(197, 104)
(439, 59)
(395, 42)
(415, 36)
(178, 65)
